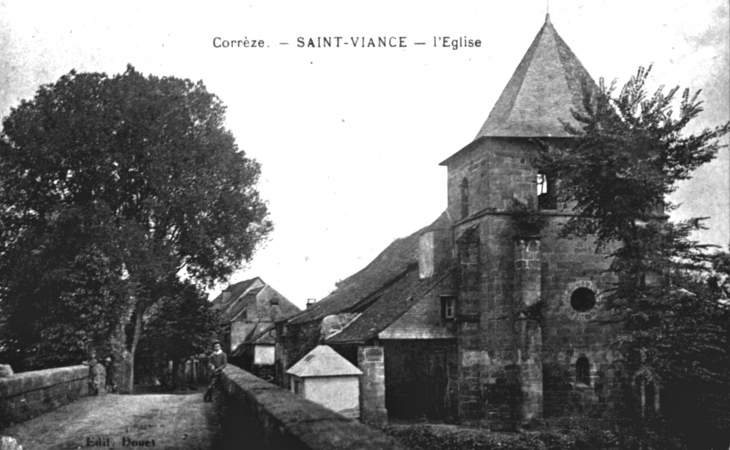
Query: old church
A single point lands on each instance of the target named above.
(475, 318)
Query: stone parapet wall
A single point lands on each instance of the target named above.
(275, 418)
(29, 394)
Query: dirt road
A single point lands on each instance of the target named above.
(156, 421)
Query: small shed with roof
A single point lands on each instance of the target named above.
(325, 377)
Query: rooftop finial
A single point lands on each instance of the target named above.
(547, 14)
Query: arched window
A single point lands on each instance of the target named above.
(650, 396)
(650, 403)
(464, 198)
(583, 371)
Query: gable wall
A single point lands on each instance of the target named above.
(423, 320)
(239, 331)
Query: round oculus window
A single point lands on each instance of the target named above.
(583, 299)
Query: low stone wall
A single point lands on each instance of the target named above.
(277, 418)
(29, 394)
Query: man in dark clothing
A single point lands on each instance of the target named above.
(111, 386)
(216, 364)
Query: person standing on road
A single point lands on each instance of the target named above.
(216, 363)
(111, 386)
(94, 373)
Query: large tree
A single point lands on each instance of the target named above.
(629, 152)
(112, 190)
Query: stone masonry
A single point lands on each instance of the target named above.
(29, 394)
(371, 361)
(531, 345)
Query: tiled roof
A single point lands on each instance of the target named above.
(394, 301)
(365, 284)
(260, 334)
(259, 331)
(235, 308)
(266, 336)
(322, 361)
(257, 302)
(273, 306)
(235, 290)
(545, 86)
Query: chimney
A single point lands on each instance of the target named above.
(434, 252)
(311, 302)
(226, 295)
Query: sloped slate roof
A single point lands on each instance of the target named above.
(395, 301)
(352, 291)
(260, 334)
(257, 333)
(266, 336)
(257, 301)
(238, 306)
(272, 306)
(236, 290)
(545, 86)
(322, 361)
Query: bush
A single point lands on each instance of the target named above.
(441, 437)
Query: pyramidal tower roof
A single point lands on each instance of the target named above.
(546, 85)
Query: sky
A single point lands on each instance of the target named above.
(350, 138)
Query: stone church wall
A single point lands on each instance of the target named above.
(519, 364)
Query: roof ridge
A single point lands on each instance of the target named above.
(418, 293)
(543, 91)
(525, 65)
(377, 293)
(418, 296)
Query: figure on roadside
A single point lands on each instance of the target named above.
(6, 371)
(99, 373)
(95, 380)
(216, 363)
(111, 386)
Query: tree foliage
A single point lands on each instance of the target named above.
(630, 151)
(527, 220)
(112, 190)
(181, 324)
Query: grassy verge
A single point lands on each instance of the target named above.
(452, 437)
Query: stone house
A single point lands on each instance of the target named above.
(387, 308)
(473, 318)
(248, 310)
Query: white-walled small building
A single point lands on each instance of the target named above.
(325, 377)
